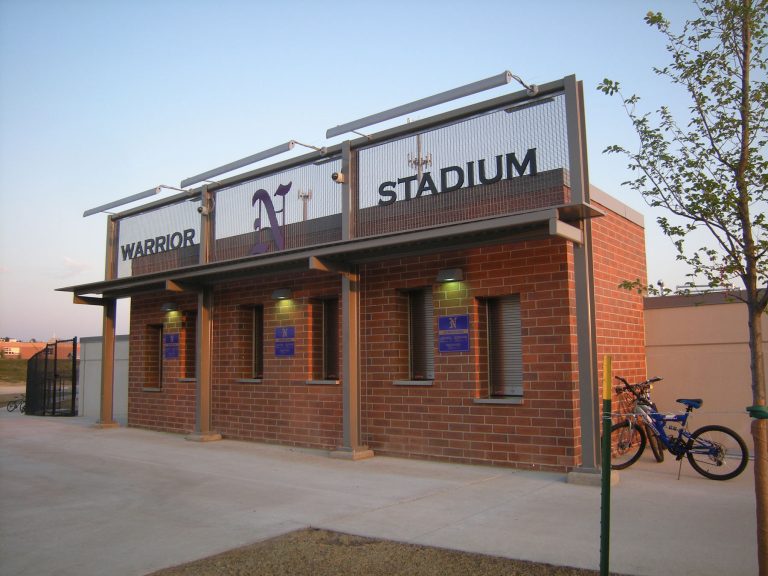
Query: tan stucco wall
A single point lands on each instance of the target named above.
(702, 351)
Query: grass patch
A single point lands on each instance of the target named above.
(13, 370)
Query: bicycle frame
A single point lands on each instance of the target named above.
(677, 445)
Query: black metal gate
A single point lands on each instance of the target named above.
(52, 380)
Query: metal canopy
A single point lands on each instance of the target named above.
(532, 225)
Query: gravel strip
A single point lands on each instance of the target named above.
(313, 552)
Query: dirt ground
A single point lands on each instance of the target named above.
(313, 552)
(10, 390)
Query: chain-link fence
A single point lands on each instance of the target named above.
(52, 380)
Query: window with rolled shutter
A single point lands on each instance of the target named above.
(324, 341)
(330, 339)
(257, 342)
(505, 351)
(154, 360)
(421, 335)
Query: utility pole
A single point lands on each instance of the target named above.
(419, 162)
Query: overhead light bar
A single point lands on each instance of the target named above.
(126, 200)
(129, 199)
(238, 164)
(493, 82)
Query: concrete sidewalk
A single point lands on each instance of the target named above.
(80, 501)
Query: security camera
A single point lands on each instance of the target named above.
(203, 211)
(338, 177)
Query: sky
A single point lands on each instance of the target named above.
(101, 99)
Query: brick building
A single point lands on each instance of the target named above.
(20, 350)
(452, 309)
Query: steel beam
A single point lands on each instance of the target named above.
(352, 446)
(204, 345)
(106, 413)
(584, 281)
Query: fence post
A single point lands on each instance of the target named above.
(605, 500)
(73, 405)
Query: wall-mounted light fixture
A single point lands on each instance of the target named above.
(282, 294)
(169, 307)
(450, 275)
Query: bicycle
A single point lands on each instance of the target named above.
(716, 452)
(19, 402)
(633, 397)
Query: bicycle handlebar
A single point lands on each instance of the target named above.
(638, 388)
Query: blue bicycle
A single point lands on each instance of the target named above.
(715, 452)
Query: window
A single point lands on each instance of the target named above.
(257, 342)
(505, 352)
(154, 356)
(325, 339)
(189, 360)
(421, 335)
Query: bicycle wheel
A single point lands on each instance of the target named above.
(717, 452)
(627, 444)
(656, 446)
(23, 407)
(11, 406)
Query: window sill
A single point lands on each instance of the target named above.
(187, 379)
(322, 382)
(249, 381)
(514, 400)
(148, 389)
(413, 382)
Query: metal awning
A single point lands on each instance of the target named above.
(533, 225)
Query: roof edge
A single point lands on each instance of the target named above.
(616, 205)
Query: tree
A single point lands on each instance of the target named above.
(710, 173)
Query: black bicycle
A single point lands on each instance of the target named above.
(636, 397)
(19, 402)
(714, 451)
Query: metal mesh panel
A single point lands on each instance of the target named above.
(158, 240)
(505, 161)
(290, 209)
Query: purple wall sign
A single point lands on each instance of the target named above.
(285, 341)
(453, 333)
(170, 346)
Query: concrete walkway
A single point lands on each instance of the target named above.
(81, 501)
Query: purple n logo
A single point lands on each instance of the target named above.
(262, 197)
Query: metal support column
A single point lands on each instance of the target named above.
(204, 345)
(350, 303)
(109, 307)
(106, 414)
(584, 281)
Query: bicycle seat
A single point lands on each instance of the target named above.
(691, 402)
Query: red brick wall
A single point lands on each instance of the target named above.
(171, 405)
(282, 407)
(442, 420)
(619, 255)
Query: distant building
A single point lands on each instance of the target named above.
(699, 344)
(20, 350)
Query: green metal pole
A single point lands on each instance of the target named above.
(605, 501)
